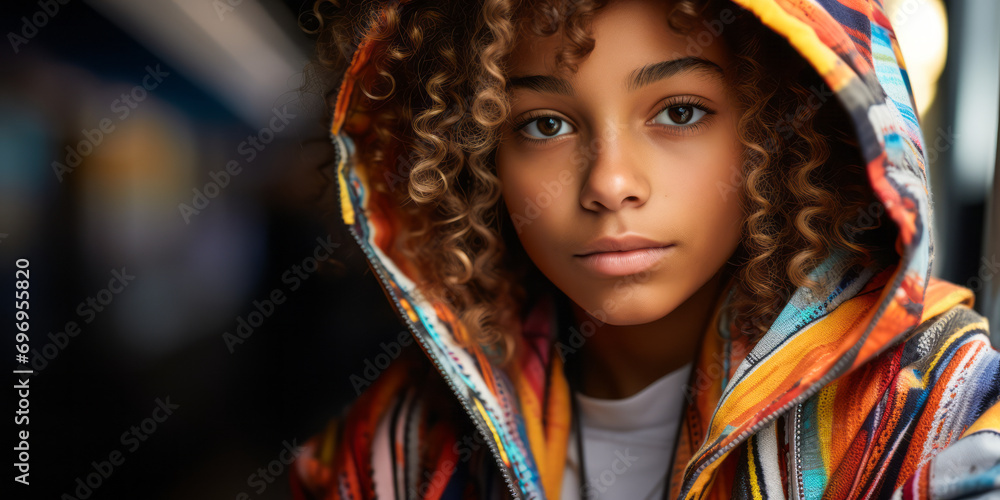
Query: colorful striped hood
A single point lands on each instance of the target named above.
(746, 400)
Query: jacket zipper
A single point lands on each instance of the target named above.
(825, 379)
(796, 484)
(337, 158)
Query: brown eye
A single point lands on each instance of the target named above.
(545, 127)
(549, 126)
(681, 114)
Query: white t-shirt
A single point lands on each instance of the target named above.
(628, 442)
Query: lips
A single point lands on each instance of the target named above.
(622, 256)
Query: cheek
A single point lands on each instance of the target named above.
(709, 193)
(537, 191)
(516, 187)
(720, 202)
(540, 202)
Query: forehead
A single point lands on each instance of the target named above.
(627, 34)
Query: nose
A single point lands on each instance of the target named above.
(616, 179)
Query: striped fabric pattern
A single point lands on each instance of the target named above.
(908, 405)
(884, 385)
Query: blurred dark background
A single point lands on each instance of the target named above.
(148, 258)
(223, 72)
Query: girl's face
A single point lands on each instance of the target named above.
(622, 179)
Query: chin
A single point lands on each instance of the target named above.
(632, 316)
(638, 306)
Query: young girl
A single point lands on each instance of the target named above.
(647, 249)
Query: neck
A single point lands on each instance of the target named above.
(622, 360)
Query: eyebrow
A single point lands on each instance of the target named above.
(637, 79)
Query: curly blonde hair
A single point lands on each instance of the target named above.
(437, 98)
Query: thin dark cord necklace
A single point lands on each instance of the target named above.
(575, 384)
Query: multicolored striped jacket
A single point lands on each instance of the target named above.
(883, 386)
